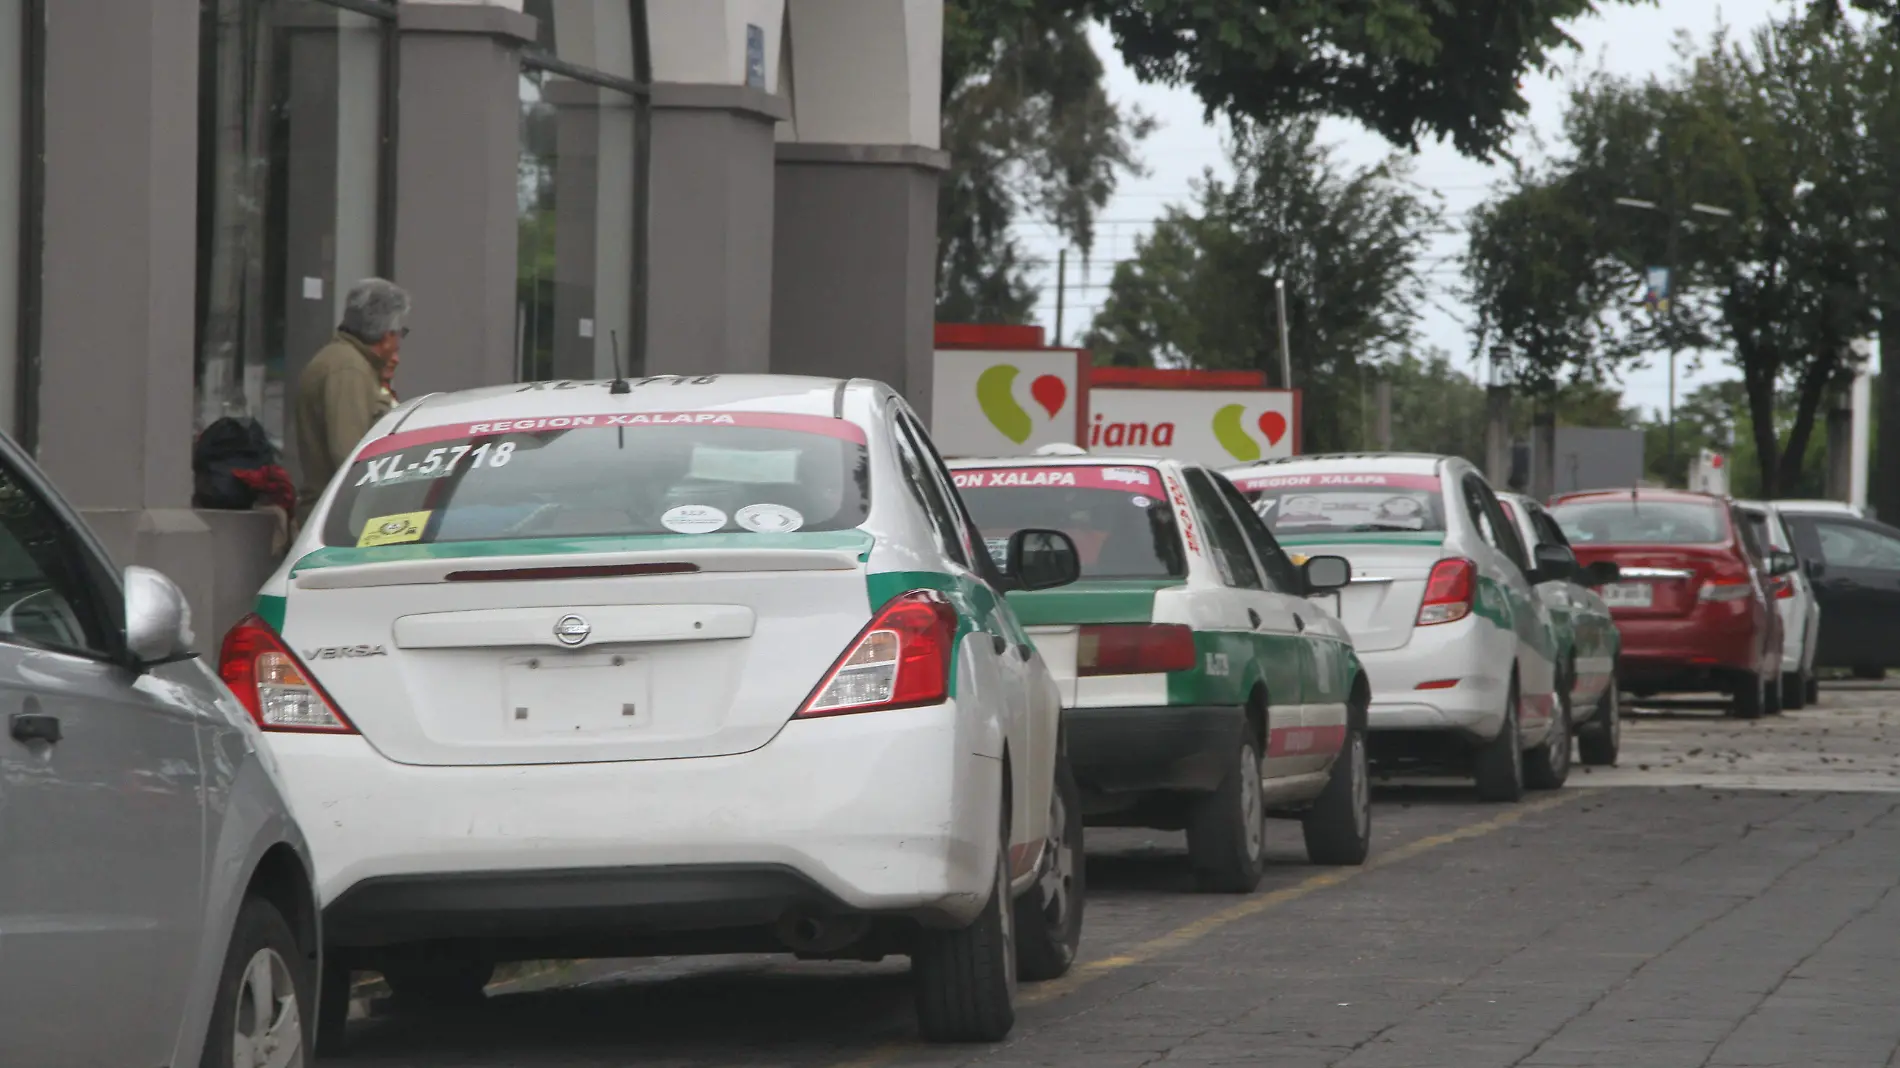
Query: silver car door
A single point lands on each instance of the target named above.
(101, 823)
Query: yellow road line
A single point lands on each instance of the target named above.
(1190, 933)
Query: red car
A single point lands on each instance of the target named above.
(1694, 602)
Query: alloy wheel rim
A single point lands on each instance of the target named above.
(266, 1024)
(1252, 807)
(1058, 878)
(1361, 789)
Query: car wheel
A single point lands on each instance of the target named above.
(333, 1006)
(1814, 689)
(438, 980)
(1748, 700)
(964, 980)
(1227, 829)
(1499, 766)
(1549, 765)
(1794, 691)
(1339, 826)
(1601, 738)
(1049, 916)
(1771, 694)
(1870, 672)
(264, 995)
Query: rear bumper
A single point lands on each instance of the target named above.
(889, 813)
(1168, 747)
(1471, 651)
(1686, 652)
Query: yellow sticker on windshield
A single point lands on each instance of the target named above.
(1297, 558)
(393, 529)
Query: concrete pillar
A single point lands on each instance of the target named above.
(1497, 435)
(1543, 480)
(858, 171)
(456, 239)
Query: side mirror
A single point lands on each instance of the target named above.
(157, 618)
(1554, 563)
(1042, 560)
(1781, 562)
(1600, 573)
(1323, 573)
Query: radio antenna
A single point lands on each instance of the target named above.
(620, 385)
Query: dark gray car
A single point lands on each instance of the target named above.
(155, 904)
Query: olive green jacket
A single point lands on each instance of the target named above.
(339, 397)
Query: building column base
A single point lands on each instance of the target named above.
(219, 559)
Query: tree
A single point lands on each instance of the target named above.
(1435, 407)
(1407, 69)
(1030, 130)
(1199, 291)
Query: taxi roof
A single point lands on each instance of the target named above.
(1055, 460)
(793, 394)
(1391, 463)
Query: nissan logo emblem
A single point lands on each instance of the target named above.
(572, 630)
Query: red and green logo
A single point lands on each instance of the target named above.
(996, 395)
(1233, 435)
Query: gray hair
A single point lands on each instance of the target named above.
(374, 308)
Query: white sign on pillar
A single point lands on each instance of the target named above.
(1710, 474)
(991, 403)
(1217, 427)
(1861, 428)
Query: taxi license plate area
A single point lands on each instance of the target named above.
(1629, 595)
(570, 695)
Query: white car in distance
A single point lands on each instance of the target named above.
(591, 669)
(1800, 610)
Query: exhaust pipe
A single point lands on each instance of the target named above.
(805, 932)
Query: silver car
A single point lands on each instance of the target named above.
(155, 903)
(1794, 598)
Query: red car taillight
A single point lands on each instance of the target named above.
(901, 659)
(1784, 589)
(1449, 592)
(1134, 649)
(273, 685)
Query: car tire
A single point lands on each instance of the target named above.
(1049, 916)
(333, 1007)
(438, 980)
(1771, 695)
(1499, 764)
(964, 980)
(265, 994)
(1338, 828)
(1227, 829)
(1548, 766)
(1794, 691)
(1870, 672)
(1599, 740)
(1748, 699)
(1814, 689)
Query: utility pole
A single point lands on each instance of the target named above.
(1062, 290)
(1286, 352)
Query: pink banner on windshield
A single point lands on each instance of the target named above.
(809, 424)
(1354, 480)
(1126, 479)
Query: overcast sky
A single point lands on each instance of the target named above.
(1628, 40)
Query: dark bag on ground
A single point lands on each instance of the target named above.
(234, 466)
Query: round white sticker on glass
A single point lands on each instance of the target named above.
(769, 518)
(693, 519)
(1142, 502)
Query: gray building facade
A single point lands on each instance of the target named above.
(702, 185)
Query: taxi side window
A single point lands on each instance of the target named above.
(926, 486)
(1548, 532)
(1282, 575)
(1223, 533)
(1489, 518)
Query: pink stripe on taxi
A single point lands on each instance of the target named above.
(1126, 479)
(1354, 480)
(809, 424)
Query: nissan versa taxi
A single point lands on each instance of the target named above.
(711, 665)
(1441, 608)
(1204, 690)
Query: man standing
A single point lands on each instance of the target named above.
(346, 386)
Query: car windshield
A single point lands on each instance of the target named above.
(1342, 503)
(1118, 517)
(608, 475)
(1634, 521)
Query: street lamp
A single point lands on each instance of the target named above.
(1676, 220)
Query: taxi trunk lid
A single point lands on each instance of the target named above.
(591, 656)
(1055, 618)
(1389, 572)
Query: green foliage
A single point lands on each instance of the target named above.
(1030, 131)
(1199, 291)
(1435, 407)
(1408, 69)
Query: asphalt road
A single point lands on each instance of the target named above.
(1725, 898)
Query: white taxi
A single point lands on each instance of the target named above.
(585, 669)
(1460, 651)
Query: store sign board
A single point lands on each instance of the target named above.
(1219, 428)
(1004, 403)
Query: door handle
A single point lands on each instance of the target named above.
(999, 643)
(35, 727)
(1253, 617)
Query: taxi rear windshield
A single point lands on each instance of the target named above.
(1118, 517)
(603, 476)
(1630, 521)
(1356, 503)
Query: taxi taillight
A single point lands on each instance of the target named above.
(901, 659)
(273, 685)
(1134, 649)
